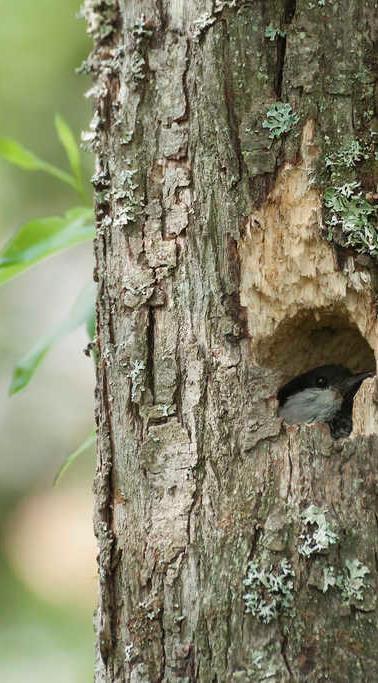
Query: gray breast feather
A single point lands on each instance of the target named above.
(311, 405)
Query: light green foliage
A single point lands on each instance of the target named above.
(272, 33)
(71, 148)
(44, 42)
(90, 324)
(280, 119)
(19, 156)
(270, 590)
(351, 581)
(43, 237)
(70, 459)
(16, 154)
(79, 314)
(318, 535)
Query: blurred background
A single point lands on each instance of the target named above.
(47, 550)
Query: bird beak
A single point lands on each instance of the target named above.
(351, 384)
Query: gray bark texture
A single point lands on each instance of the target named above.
(232, 548)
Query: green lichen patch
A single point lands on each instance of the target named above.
(136, 375)
(352, 581)
(350, 216)
(141, 30)
(136, 72)
(266, 663)
(140, 35)
(101, 17)
(200, 25)
(125, 192)
(329, 578)
(270, 590)
(207, 19)
(272, 32)
(346, 157)
(280, 119)
(317, 535)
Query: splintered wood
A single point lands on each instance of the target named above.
(304, 309)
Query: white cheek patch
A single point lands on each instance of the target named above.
(311, 405)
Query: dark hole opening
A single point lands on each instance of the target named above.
(309, 341)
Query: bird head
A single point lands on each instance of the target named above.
(324, 394)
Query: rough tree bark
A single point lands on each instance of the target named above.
(215, 285)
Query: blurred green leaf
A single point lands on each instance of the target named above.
(70, 145)
(43, 237)
(79, 314)
(87, 443)
(16, 154)
(91, 325)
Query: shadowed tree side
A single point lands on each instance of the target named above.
(231, 548)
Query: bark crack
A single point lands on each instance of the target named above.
(150, 351)
(290, 9)
(375, 552)
(162, 15)
(103, 528)
(281, 51)
(288, 495)
(185, 116)
(228, 627)
(284, 644)
(198, 470)
(162, 642)
(229, 101)
(289, 12)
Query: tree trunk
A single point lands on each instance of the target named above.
(231, 547)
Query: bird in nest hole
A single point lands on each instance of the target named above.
(324, 394)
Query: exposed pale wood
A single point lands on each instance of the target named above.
(304, 310)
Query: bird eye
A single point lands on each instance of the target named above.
(321, 382)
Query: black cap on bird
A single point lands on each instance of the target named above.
(324, 394)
